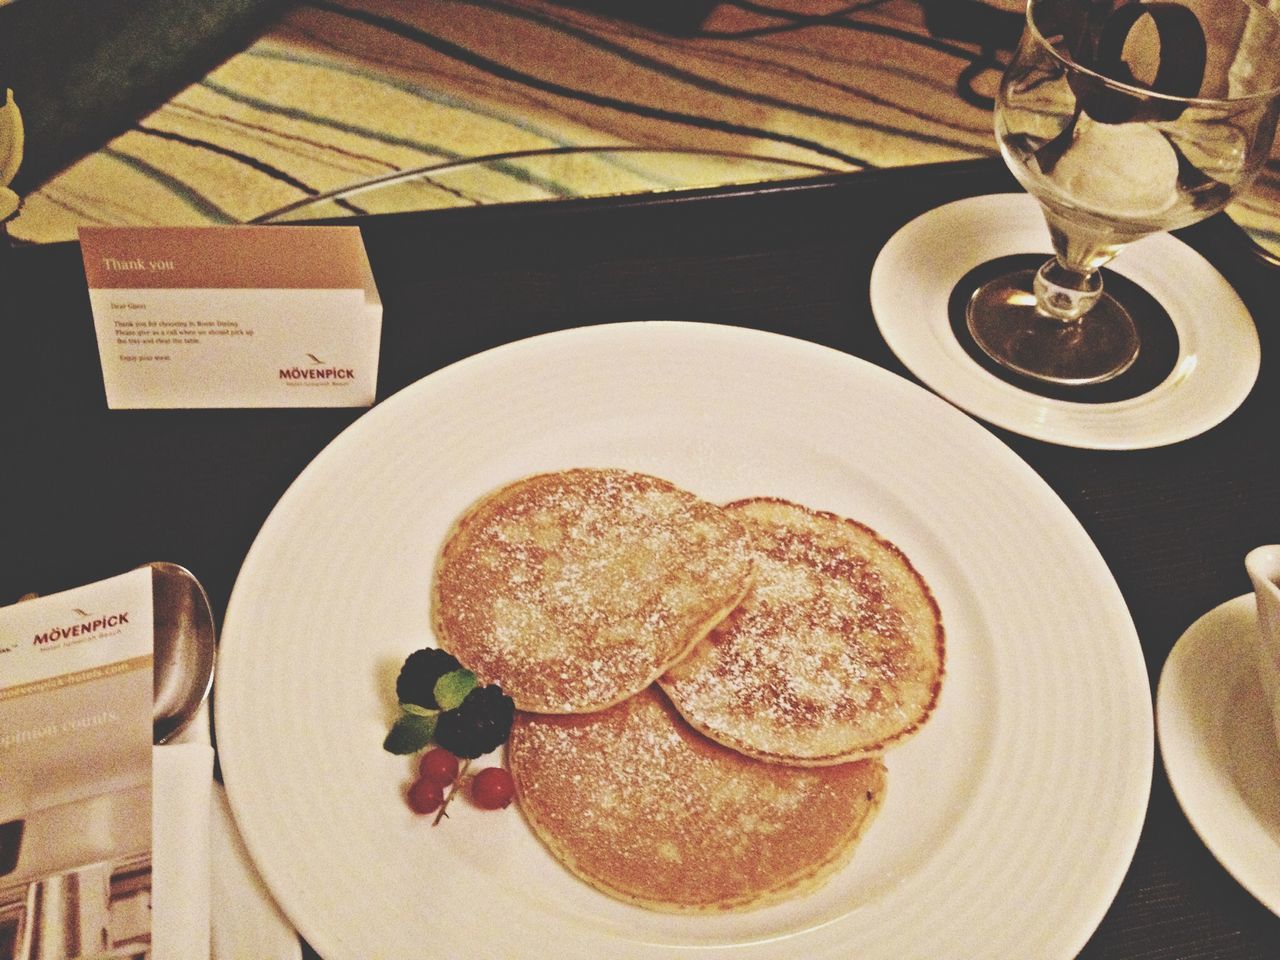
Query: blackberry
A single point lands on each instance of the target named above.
(417, 681)
(479, 724)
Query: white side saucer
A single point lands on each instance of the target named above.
(913, 279)
(1219, 746)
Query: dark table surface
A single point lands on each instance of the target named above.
(87, 493)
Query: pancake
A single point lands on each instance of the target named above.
(647, 810)
(836, 653)
(574, 590)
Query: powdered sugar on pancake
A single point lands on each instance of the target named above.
(837, 651)
(573, 590)
(644, 808)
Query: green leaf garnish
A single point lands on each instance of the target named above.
(451, 689)
(417, 709)
(410, 733)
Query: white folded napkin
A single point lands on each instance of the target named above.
(182, 782)
(244, 921)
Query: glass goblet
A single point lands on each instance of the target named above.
(1122, 118)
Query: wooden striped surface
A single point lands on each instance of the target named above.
(340, 91)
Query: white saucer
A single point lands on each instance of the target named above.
(917, 270)
(1220, 749)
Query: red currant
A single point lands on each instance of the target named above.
(438, 765)
(425, 796)
(492, 788)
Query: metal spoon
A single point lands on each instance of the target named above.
(184, 649)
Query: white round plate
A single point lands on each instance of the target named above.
(989, 843)
(917, 270)
(1219, 746)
